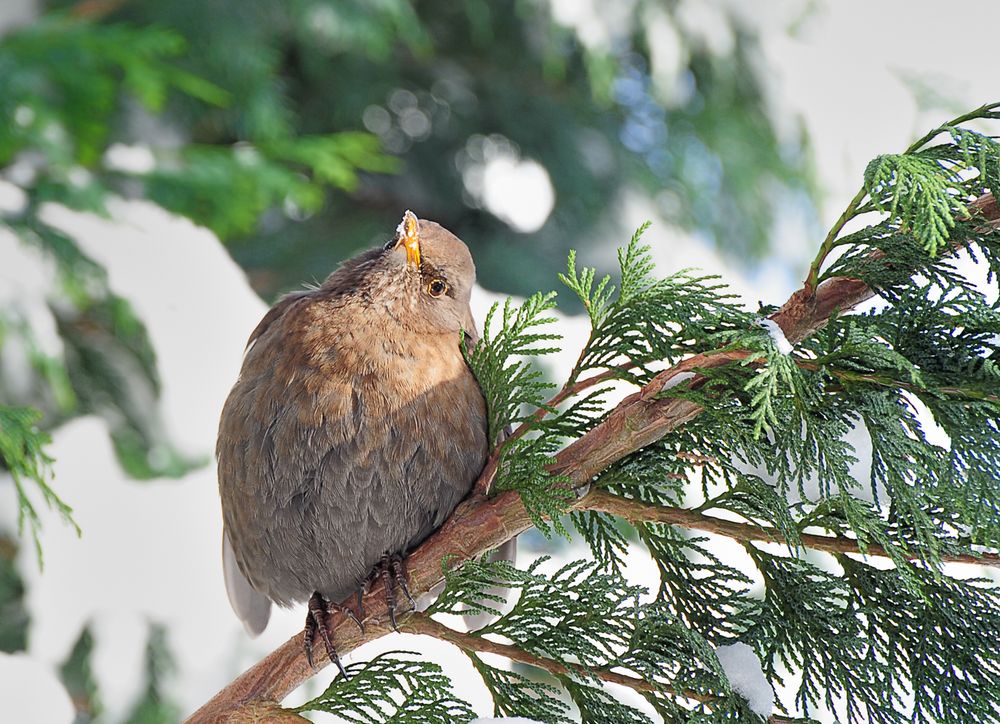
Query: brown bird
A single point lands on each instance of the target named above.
(353, 431)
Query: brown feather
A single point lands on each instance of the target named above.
(355, 426)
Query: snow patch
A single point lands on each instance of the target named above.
(13, 199)
(677, 379)
(31, 691)
(746, 676)
(778, 335)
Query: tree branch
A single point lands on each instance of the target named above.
(480, 524)
(637, 511)
(422, 624)
(419, 623)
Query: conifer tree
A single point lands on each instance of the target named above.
(740, 427)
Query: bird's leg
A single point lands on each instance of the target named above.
(397, 564)
(318, 622)
(392, 570)
(359, 596)
(390, 591)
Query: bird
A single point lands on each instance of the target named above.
(354, 429)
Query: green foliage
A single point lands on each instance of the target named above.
(916, 192)
(22, 453)
(63, 80)
(392, 687)
(153, 707)
(14, 616)
(881, 640)
(648, 320)
(697, 587)
(292, 173)
(925, 190)
(77, 676)
(66, 82)
(509, 382)
(833, 433)
(592, 619)
(511, 385)
(516, 695)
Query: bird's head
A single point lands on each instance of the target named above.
(423, 277)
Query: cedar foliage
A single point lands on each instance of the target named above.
(775, 445)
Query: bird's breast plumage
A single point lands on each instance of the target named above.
(345, 438)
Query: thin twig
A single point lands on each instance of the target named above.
(419, 623)
(569, 390)
(422, 624)
(882, 381)
(638, 511)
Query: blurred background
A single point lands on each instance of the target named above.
(169, 169)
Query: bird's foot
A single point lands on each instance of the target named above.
(392, 571)
(318, 624)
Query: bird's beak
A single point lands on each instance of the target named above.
(408, 236)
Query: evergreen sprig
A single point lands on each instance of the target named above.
(647, 320)
(517, 695)
(396, 687)
(514, 388)
(591, 622)
(919, 193)
(22, 454)
(509, 382)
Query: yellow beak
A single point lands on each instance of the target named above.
(408, 235)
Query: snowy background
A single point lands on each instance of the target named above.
(150, 552)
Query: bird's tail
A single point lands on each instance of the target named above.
(253, 607)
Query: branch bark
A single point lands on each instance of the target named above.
(421, 624)
(637, 511)
(480, 523)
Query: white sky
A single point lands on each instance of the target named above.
(150, 551)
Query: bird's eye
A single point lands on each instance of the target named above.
(437, 287)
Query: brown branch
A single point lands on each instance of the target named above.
(480, 524)
(637, 511)
(569, 390)
(422, 624)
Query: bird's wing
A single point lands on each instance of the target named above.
(253, 608)
(272, 316)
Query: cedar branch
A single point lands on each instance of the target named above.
(419, 623)
(637, 511)
(480, 524)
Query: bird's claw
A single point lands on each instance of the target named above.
(318, 623)
(392, 570)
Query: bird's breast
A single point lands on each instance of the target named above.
(391, 375)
